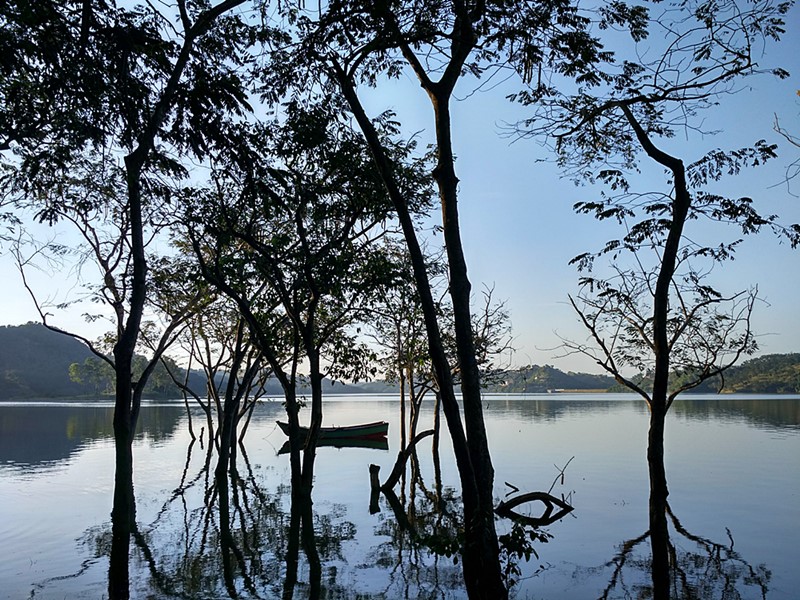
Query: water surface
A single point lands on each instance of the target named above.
(733, 465)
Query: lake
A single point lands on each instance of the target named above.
(733, 466)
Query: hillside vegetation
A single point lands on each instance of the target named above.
(768, 374)
(35, 363)
(537, 379)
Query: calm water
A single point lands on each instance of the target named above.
(733, 466)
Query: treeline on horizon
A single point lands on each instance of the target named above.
(35, 363)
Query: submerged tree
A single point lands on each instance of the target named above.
(396, 327)
(657, 314)
(214, 340)
(442, 43)
(130, 86)
(287, 231)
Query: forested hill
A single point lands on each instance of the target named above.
(537, 379)
(768, 374)
(34, 362)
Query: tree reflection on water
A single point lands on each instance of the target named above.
(233, 538)
(240, 537)
(426, 533)
(696, 568)
(248, 536)
(242, 540)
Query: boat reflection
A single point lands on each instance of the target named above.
(375, 444)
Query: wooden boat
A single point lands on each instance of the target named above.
(377, 443)
(375, 430)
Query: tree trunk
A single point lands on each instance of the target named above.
(481, 565)
(659, 534)
(402, 377)
(123, 515)
(127, 400)
(315, 424)
(225, 535)
(490, 582)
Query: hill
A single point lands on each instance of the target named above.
(537, 379)
(768, 374)
(34, 363)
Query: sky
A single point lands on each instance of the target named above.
(518, 227)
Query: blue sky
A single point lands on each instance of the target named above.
(520, 232)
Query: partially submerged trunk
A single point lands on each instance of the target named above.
(659, 534)
(490, 580)
(659, 400)
(481, 564)
(128, 396)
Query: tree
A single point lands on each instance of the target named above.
(100, 375)
(215, 340)
(396, 326)
(117, 82)
(355, 43)
(287, 230)
(661, 316)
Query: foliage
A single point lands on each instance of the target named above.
(289, 227)
(37, 362)
(656, 312)
(94, 372)
(395, 321)
(646, 216)
(79, 75)
(535, 379)
(770, 373)
(706, 331)
(766, 374)
(100, 376)
(686, 57)
(517, 545)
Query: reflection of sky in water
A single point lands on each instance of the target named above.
(729, 464)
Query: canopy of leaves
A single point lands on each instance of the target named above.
(78, 76)
(696, 51)
(288, 226)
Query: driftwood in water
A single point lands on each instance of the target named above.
(505, 508)
(402, 458)
(375, 489)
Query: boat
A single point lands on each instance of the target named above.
(376, 443)
(375, 430)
